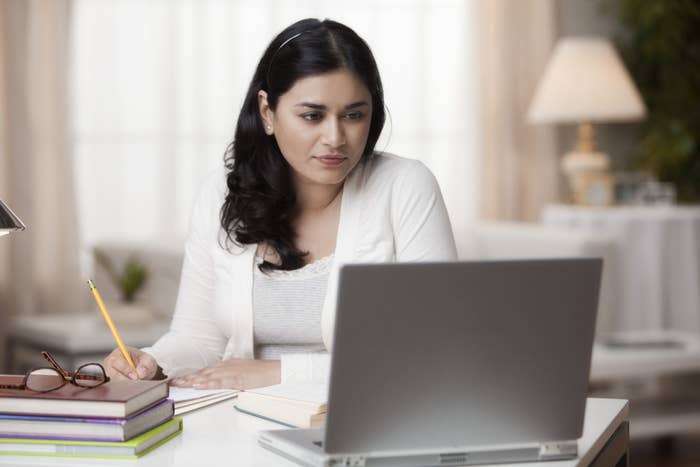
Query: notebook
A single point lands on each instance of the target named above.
(131, 449)
(113, 399)
(189, 399)
(85, 429)
(294, 405)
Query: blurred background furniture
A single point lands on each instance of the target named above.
(657, 256)
(72, 339)
(82, 336)
(659, 373)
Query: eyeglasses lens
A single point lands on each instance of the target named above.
(89, 376)
(44, 380)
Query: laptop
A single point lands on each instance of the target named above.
(445, 364)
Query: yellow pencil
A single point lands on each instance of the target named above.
(112, 328)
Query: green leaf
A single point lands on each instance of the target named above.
(660, 45)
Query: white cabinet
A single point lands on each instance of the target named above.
(71, 339)
(659, 373)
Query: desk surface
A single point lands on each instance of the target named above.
(220, 433)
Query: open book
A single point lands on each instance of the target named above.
(298, 405)
(189, 399)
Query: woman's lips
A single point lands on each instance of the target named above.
(331, 161)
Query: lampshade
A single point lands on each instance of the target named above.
(585, 81)
(8, 220)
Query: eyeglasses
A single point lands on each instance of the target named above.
(46, 379)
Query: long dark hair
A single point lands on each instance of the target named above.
(260, 202)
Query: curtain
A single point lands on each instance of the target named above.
(39, 267)
(158, 85)
(519, 163)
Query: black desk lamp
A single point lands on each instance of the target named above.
(9, 222)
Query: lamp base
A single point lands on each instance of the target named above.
(590, 182)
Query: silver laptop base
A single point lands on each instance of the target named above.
(289, 444)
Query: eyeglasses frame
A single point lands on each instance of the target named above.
(68, 377)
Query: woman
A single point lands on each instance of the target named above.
(304, 192)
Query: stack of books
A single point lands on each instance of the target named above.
(119, 419)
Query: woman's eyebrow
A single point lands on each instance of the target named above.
(354, 105)
(311, 105)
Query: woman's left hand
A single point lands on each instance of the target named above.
(233, 374)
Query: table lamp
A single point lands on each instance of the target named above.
(586, 82)
(9, 222)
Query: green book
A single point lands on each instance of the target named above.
(132, 449)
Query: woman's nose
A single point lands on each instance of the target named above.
(334, 133)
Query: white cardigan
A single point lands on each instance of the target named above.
(391, 210)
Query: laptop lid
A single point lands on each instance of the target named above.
(445, 355)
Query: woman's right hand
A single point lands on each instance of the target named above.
(118, 368)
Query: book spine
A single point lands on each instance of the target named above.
(55, 437)
(264, 417)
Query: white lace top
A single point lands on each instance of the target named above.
(287, 309)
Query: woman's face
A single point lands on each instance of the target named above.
(321, 125)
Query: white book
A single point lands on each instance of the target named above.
(189, 399)
(300, 405)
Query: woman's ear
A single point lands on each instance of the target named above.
(266, 113)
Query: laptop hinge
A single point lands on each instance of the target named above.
(558, 450)
(348, 461)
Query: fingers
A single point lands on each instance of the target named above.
(181, 382)
(188, 381)
(118, 368)
(207, 379)
(233, 374)
(215, 383)
(116, 365)
(146, 366)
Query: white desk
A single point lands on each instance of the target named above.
(658, 261)
(219, 435)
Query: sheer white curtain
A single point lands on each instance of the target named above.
(157, 88)
(39, 268)
(520, 169)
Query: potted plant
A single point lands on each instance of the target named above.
(128, 280)
(660, 45)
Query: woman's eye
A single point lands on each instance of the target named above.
(354, 115)
(313, 116)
